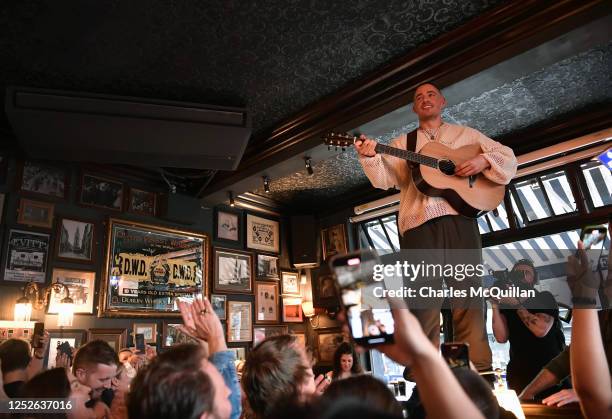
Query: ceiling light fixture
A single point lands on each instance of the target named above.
(266, 182)
(309, 166)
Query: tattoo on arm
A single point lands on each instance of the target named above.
(535, 322)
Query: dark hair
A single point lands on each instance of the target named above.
(15, 355)
(346, 348)
(273, 373)
(527, 262)
(95, 352)
(479, 391)
(365, 388)
(173, 385)
(50, 384)
(427, 82)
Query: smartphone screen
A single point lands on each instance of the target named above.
(369, 318)
(456, 354)
(39, 330)
(140, 342)
(593, 236)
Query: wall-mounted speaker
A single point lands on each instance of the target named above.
(304, 240)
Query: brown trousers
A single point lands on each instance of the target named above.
(453, 232)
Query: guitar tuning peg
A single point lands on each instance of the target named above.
(343, 148)
(328, 147)
(336, 148)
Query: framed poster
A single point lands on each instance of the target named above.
(262, 333)
(35, 213)
(266, 302)
(44, 179)
(233, 271)
(323, 288)
(267, 267)
(75, 240)
(171, 335)
(327, 341)
(292, 310)
(300, 336)
(219, 305)
(27, 253)
(334, 240)
(81, 286)
(239, 352)
(149, 330)
(228, 225)
(101, 192)
(239, 321)
(72, 337)
(262, 234)
(290, 283)
(148, 267)
(142, 202)
(116, 338)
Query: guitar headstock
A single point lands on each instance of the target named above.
(336, 139)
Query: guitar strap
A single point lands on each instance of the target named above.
(411, 141)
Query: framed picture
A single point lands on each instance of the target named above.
(233, 271)
(148, 267)
(290, 282)
(149, 330)
(334, 240)
(300, 336)
(266, 302)
(267, 267)
(219, 304)
(323, 288)
(101, 192)
(44, 179)
(75, 240)
(239, 321)
(2, 198)
(262, 234)
(142, 202)
(73, 337)
(327, 341)
(262, 333)
(116, 338)
(27, 254)
(171, 335)
(35, 213)
(228, 225)
(81, 287)
(292, 310)
(239, 352)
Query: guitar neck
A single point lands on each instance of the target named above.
(407, 155)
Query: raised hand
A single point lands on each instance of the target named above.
(581, 281)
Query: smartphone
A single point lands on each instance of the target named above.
(369, 317)
(457, 355)
(592, 236)
(140, 342)
(39, 330)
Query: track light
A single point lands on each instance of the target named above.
(231, 199)
(309, 166)
(266, 181)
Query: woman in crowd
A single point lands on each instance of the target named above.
(346, 363)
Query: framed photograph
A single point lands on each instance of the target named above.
(267, 267)
(149, 330)
(266, 302)
(81, 286)
(75, 240)
(233, 271)
(290, 282)
(323, 288)
(171, 335)
(219, 304)
(35, 213)
(57, 337)
(101, 192)
(142, 202)
(148, 267)
(228, 225)
(334, 240)
(262, 234)
(27, 254)
(239, 321)
(327, 341)
(300, 337)
(239, 352)
(262, 333)
(292, 310)
(44, 179)
(116, 338)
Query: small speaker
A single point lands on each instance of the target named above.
(180, 208)
(304, 243)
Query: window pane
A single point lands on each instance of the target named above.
(483, 227)
(499, 222)
(516, 211)
(558, 190)
(377, 233)
(533, 200)
(599, 183)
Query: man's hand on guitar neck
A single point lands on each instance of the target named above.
(365, 146)
(472, 166)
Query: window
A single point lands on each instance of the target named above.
(380, 234)
(599, 183)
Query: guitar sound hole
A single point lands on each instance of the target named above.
(447, 167)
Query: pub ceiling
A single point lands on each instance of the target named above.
(277, 58)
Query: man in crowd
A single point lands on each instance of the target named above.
(18, 365)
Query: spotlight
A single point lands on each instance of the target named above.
(309, 166)
(231, 199)
(266, 181)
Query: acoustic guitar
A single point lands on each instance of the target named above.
(434, 174)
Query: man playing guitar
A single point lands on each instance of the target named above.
(429, 222)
